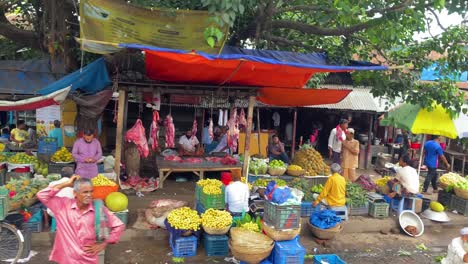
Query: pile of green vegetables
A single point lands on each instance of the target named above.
(263, 182)
(258, 166)
(355, 195)
(277, 164)
(317, 188)
(304, 186)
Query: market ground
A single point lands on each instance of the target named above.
(361, 241)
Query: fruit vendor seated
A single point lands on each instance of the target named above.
(276, 150)
(237, 196)
(189, 144)
(458, 250)
(406, 182)
(334, 191)
(86, 152)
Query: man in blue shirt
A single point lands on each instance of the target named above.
(57, 133)
(432, 152)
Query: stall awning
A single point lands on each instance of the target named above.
(34, 103)
(300, 97)
(236, 66)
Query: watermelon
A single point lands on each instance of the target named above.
(117, 202)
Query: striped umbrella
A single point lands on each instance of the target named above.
(419, 120)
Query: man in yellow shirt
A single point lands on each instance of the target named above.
(334, 191)
(19, 134)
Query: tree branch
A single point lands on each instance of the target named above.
(25, 38)
(283, 41)
(315, 30)
(437, 18)
(396, 8)
(305, 8)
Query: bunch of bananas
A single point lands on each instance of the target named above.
(211, 186)
(383, 181)
(251, 227)
(216, 218)
(294, 168)
(184, 218)
(101, 180)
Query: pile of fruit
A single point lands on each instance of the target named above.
(62, 155)
(450, 178)
(258, 166)
(3, 158)
(244, 180)
(184, 218)
(249, 223)
(355, 195)
(294, 168)
(101, 180)
(24, 188)
(317, 188)
(462, 184)
(213, 218)
(311, 161)
(41, 168)
(2, 147)
(211, 186)
(263, 182)
(383, 181)
(277, 164)
(22, 158)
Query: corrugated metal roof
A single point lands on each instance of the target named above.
(25, 77)
(360, 99)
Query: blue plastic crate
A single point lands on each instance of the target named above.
(329, 258)
(100, 167)
(306, 209)
(183, 246)
(200, 208)
(288, 252)
(215, 245)
(34, 224)
(49, 147)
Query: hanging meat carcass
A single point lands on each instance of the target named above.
(154, 129)
(233, 132)
(242, 120)
(137, 135)
(170, 132)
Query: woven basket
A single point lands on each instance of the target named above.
(248, 254)
(461, 193)
(443, 185)
(13, 206)
(30, 202)
(216, 231)
(280, 235)
(296, 173)
(276, 171)
(324, 234)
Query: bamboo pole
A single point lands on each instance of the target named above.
(293, 147)
(248, 132)
(258, 129)
(120, 131)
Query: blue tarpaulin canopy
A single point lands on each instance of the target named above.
(90, 79)
(432, 73)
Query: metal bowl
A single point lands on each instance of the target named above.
(409, 218)
(435, 216)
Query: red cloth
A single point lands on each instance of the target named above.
(300, 97)
(339, 133)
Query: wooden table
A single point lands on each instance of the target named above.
(165, 168)
(453, 154)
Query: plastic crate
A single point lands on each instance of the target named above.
(306, 209)
(444, 198)
(183, 246)
(282, 216)
(57, 167)
(34, 224)
(216, 246)
(215, 201)
(3, 206)
(123, 216)
(328, 258)
(288, 252)
(200, 208)
(47, 147)
(379, 210)
(459, 204)
(359, 210)
(316, 180)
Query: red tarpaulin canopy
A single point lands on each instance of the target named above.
(300, 97)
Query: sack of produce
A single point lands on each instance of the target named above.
(157, 211)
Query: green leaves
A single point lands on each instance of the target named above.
(213, 36)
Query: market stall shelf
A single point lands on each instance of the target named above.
(456, 155)
(166, 168)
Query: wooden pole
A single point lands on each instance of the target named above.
(121, 117)
(258, 131)
(293, 147)
(202, 127)
(248, 132)
(369, 141)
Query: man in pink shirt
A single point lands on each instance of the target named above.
(75, 240)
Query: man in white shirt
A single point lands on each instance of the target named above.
(337, 136)
(458, 250)
(237, 196)
(406, 181)
(188, 144)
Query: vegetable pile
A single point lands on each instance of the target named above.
(262, 183)
(462, 184)
(355, 195)
(258, 166)
(277, 164)
(213, 218)
(450, 178)
(249, 223)
(311, 161)
(317, 188)
(22, 158)
(184, 218)
(211, 186)
(383, 181)
(304, 186)
(62, 155)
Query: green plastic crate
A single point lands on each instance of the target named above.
(359, 210)
(213, 201)
(3, 206)
(123, 216)
(379, 210)
(282, 216)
